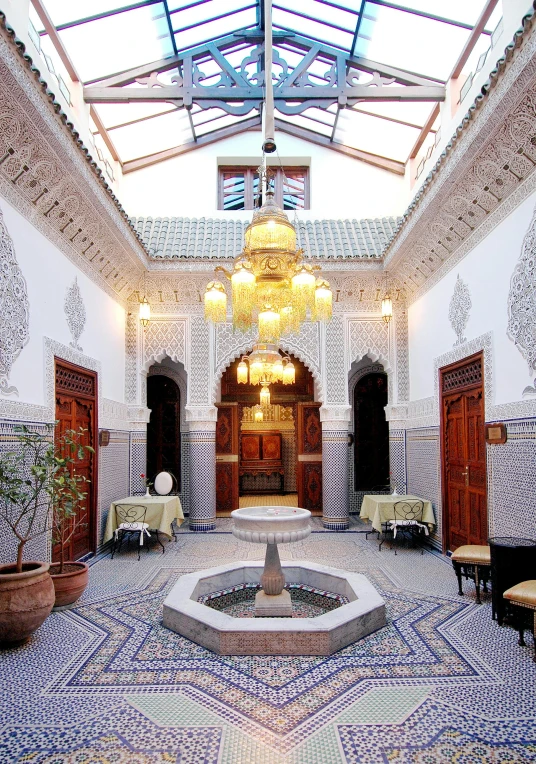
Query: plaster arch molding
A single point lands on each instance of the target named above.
(165, 337)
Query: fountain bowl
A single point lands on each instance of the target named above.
(271, 525)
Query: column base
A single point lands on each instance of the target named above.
(273, 606)
(202, 525)
(336, 524)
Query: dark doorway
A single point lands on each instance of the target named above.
(163, 431)
(464, 454)
(371, 433)
(76, 406)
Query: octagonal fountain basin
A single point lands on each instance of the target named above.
(363, 613)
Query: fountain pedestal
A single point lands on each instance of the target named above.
(273, 600)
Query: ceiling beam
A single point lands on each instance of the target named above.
(391, 165)
(326, 95)
(52, 32)
(202, 140)
(478, 29)
(103, 133)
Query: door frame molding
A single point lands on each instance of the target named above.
(442, 433)
(94, 509)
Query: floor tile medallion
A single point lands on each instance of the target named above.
(106, 681)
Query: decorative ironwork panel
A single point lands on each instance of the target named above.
(465, 376)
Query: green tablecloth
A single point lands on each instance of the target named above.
(161, 511)
(380, 509)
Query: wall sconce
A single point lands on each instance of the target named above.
(145, 312)
(387, 308)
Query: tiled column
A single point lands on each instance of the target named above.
(335, 500)
(202, 468)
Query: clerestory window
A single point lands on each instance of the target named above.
(239, 188)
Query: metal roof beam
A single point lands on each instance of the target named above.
(203, 140)
(391, 165)
(423, 14)
(56, 40)
(322, 95)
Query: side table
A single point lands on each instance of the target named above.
(512, 560)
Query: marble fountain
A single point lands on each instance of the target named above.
(270, 620)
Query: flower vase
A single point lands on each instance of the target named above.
(147, 492)
(395, 492)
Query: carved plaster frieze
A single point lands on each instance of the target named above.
(75, 313)
(14, 309)
(521, 326)
(47, 178)
(459, 307)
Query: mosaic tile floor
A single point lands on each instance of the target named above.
(105, 682)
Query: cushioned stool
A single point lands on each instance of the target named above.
(523, 596)
(472, 561)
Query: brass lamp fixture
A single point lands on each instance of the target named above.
(387, 305)
(266, 366)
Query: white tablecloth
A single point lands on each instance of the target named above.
(380, 509)
(161, 511)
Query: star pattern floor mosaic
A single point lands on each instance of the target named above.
(106, 683)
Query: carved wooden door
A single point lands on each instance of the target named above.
(464, 454)
(309, 467)
(227, 457)
(76, 406)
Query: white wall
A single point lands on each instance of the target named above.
(186, 186)
(48, 274)
(487, 271)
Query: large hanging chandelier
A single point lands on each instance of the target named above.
(266, 366)
(271, 283)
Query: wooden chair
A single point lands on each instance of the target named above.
(472, 561)
(522, 597)
(407, 522)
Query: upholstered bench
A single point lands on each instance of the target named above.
(523, 596)
(472, 561)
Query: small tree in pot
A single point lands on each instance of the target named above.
(65, 489)
(29, 481)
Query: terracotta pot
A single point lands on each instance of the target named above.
(69, 586)
(26, 599)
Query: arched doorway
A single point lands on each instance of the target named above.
(247, 450)
(163, 430)
(371, 433)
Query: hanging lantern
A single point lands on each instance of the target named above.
(303, 290)
(255, 372)
(145, 312)
(258, 415)
(289, 373)
(242, 372)
(215, 302)
(269, 325)
(277, 370)
(243, 291)
(387, 308)
(265, 396)
(323, 301)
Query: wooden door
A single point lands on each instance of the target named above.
(464, 454)
(76, 406)
(227, 457)
(163, 431)
(309, 466)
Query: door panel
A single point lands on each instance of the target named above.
(464, 461)
(227, 457)
(309, 466)
(76, 407)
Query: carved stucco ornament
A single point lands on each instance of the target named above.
(459, 307)
(521, 326)
(75, 313)
(14, 309)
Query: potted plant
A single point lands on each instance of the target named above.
(65, 490)
(29, 478)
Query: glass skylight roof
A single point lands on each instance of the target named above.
(103, 39)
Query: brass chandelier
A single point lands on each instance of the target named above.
(271, 284)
